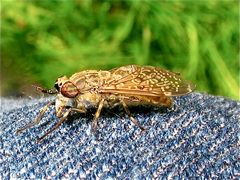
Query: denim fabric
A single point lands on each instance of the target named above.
(198, 137)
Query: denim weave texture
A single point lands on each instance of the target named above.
(197, 138)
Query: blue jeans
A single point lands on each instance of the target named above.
(198, 137)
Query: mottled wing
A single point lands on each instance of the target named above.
(147, 81)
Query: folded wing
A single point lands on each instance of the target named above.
(146, 81)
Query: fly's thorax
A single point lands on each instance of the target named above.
(61, 103)
(87, 99)
(88, 80)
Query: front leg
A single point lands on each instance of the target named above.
(38, 118)
(62, 119)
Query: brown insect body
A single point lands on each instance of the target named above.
(126, 85)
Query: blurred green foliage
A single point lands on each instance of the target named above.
(42, 40)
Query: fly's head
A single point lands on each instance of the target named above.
(65, 87)
(67, 92)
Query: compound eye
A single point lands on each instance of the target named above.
(69, 90)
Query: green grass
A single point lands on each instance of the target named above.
(41, 40)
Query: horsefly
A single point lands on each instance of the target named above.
(126, 85)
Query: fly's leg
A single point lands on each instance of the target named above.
(38, 118)
(130, 116)
(97, 114)
(63, 118)
(82, 110)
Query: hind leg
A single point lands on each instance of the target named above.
(130, 116)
